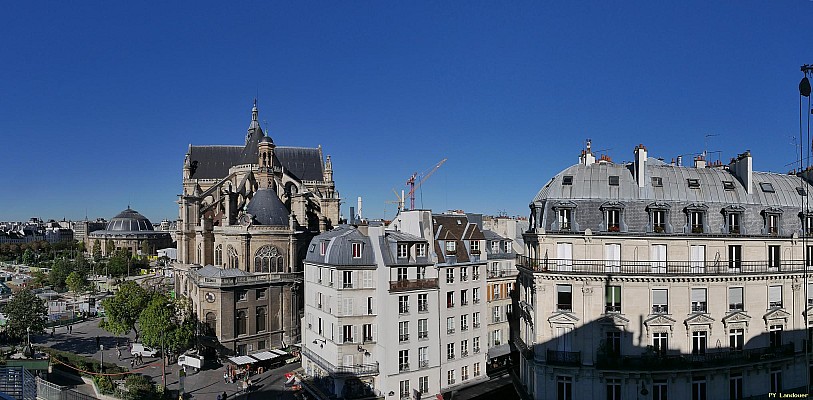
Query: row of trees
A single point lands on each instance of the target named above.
(152, 316)
(32, 253)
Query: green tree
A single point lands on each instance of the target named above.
(25, 310)
(40, 279)
(28, 256)
(59, 273)
(145, 249)
(97, 250)
(124, 308)
(77, 281)
(168, 320)
(109, 247)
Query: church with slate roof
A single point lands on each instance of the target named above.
(246, 217)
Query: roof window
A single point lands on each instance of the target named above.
(801, 191)
(766, 187)
(657, 181)
(693, 183)
(613, 180)
(728, 185)
(567, 180)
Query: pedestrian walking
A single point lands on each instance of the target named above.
(132, 363)
(225, 395)
(118, 352)
(225, 377)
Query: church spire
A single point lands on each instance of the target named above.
(255, 124)
(254, 112)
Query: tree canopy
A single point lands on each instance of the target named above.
(168, 320)
(77, 281)
(25, 310)
(124, 309)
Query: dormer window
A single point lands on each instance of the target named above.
(733, 220)
(696, 218)
(659, 221)
(801, 191)
(356, 247)
(693, 183)
(613, 220)
(565, 211)
(507, 246)
(807, 223)
(659, 218)
(564, 219)
(613, 217)
(322, 248)
(613, 180)
(567, 180)
(772, 218)
(403, 250)
(696, 221)
(451, 247)
(420, 250)
(495, 246)
(766, 187)
(734, 223)
(474, 246)
(657, 181)
(728, 185)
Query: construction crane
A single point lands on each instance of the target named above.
(413, 185)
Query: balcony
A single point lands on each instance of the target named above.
(712, 359)
(475, 325)
(564, 358)
(698, 307)
(476, 350)
(667, 268)
(403, 367)
(340, 370)
(660, 309)
(450, 331)
(403, 338)
(413, 284)
(464, 354)
(252, 279)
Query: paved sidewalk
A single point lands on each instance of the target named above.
(205, 384)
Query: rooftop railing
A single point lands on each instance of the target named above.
(244, 280)
(341, 370)
(604, 267)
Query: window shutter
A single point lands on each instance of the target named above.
(355, 334)
(373, 305)
(375, 332)
(659, 296)
(698, 295)
(775, 293)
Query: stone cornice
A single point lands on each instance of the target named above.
(588, 279)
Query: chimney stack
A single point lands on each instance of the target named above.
(587, 157)
(640, 165)
(742, 167)
(700, 161)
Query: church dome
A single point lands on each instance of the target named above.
(129, 220)
(267, 209)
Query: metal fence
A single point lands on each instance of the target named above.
(50, 391)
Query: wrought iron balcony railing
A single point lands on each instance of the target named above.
(603, 267)
(413, 284)
(712, 358)
(571, 358)
(340, 370)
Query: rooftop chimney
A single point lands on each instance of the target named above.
(700, 161)
(679, 161)
(640, 165)
(743, 169)
(587, 157)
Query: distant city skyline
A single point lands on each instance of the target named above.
(100, 100)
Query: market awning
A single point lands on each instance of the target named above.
(242, 360)
(264, 355)
(279, 352)
(498, 351)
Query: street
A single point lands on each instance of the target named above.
(205, 384)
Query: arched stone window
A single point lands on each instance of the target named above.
(219, 255)
(233, 260)
(268, 259)
(211, 323)
(240, 323)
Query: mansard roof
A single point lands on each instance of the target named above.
(591, 182)
(339, 250)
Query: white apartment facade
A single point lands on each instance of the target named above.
(658, 281)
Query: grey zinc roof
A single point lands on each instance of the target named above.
(213, 162)
(210, 271)
(339, 250)
(267, 209)
(304, 163)
(398, 236)
(591, 182)
(491, 235)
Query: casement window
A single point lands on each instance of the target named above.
(496, 314)
(735, 299)
(423, 357)
(464, 348)
(449, 299)
(734, 222)
(475, 319)
(696, 221)
(697, 258)
(698, 297)
(775, 336)
(464, 274)
(565, 215)
(613, 389)
(564, 297)
(736, 339)
(612, 257)
(660, 342)
(735, 386)
(772, 219)
(613, 220)
(423, 329)
(613, 299)
(403, 331)
(495, 246)
(464, 297)
(660, 304)
(347, 279)
(368, 332)
(564, 387)
(659, 218)
(699, 342)
(774, 260)
(420, 250)
(699, 388)
(403, 273)
(403, 304)
(450, 325)
(660, 389)
(776, 380)
(735, 258)
(464, 322)
(450, 351)
(451, 247)
(423, 383)
(322, 248)
(659, 221)
(423, 302)
(775, 296)
(474, 246)
(613, 343)
(657, 258)
(403, 250)
(564, 255)
(475, 295)
(404, 385)
(356, 247)
(449, 275)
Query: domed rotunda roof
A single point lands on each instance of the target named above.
(129, 220)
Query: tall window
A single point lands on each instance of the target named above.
(423, 357)
(367, 333)
(775, 335)
(464, 274)
(735, 386)
(613, 299)
(261, 318)
(423, 384)
(475, 319)
(772, 224)
(233, 260)
(404, 388)
(776, 380)
(403, 250)
(613, 389)
(658, 221)
(474, 246)
(613, 343)
(347, 279)
(403, 304)
(241, 322)
(356, 248)
(464, 297)
(774, 261)
(564, 219)
(420, 250)
(423, 302)
(475, 295)
(268, 259)
(449, 299)
(450, 325)
(660, 342)
(464, 373)
(696, 221)
(564, 255)
(660, 301)
(564, 388)
(464, 348)
(735, 339)
(657, 257)
(403, 331)
(698, 300)
(449, 275)
(476, 367)
(697, 258)
(450, 351)
(735, 258)
(423, 329)
(809, 257)
(613, 220)
(464, 322)
(733, 223)
(775, 296)
(219, 255)
(699, 388)
(497, 316)
(735, 299)
(699, 342)
(450, 376)
(403, 273)
(659, 389)
(564, 298)
(347, 333)
(612, 257)
(475, 344)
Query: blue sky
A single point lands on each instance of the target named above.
(99, 100)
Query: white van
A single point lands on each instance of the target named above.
(144, 351)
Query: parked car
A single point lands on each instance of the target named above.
(144, 351)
